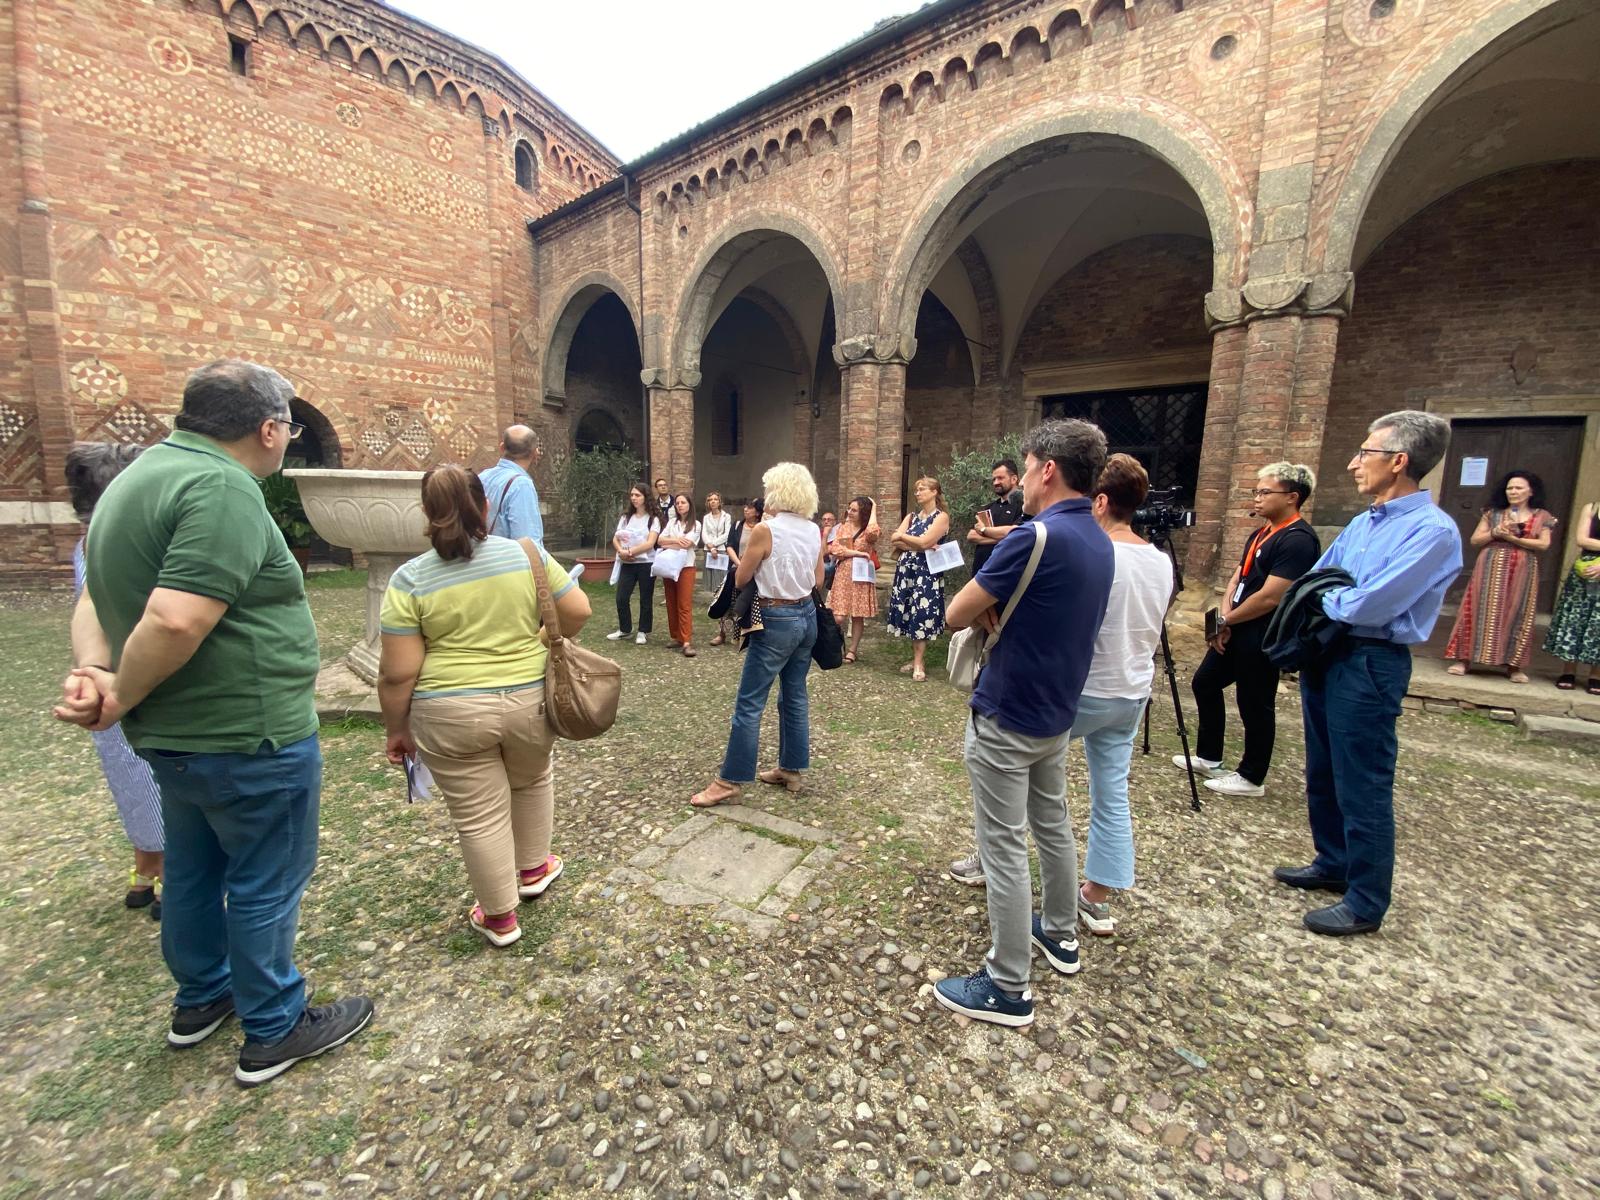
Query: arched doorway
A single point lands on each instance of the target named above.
(1477, 261)
(1074, 270)
(756, 324)
(599, 429)
(318, 445)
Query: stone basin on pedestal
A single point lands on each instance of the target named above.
(379, 514)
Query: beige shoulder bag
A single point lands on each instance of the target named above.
(581, 688)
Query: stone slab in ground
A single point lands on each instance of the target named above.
(1560, 729)
(734, 863)
(342, 693)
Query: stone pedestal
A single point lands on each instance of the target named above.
(377, 513)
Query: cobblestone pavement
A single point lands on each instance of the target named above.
(640, 1047)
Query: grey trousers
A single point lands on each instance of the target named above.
(1018, 783)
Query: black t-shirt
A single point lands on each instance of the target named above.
(1001, 512)
(1289, 553)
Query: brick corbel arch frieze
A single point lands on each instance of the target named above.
(1169, 134)
(690, 318)
(570, 309)
(1446, 55)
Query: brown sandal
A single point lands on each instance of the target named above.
(690, 651)
(779, 777)
(718, 640)
(706, 799)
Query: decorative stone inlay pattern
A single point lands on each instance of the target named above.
(98, 381)
(129, 423)
(349, 115)
(439, 146)
(170, 55)
(137, 247)
(12, 423)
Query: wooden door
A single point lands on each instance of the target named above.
(1549, 447)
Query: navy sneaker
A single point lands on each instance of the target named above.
(191, 1026)
(1062, 955)
(980, 998)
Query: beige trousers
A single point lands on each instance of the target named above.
(490, 756)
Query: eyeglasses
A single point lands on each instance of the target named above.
(1272, 492)
(1366, 450)
(295, 428)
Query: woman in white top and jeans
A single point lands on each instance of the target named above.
(783, 555)
(1118, 686)
(635, 541)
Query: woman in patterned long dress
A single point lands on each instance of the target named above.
(1574, 635)
(856, 538)
(1495, 625)
(91, 466)
(916, 601)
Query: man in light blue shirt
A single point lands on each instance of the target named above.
(513, 498)
(1403, 552)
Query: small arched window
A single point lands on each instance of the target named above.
(525, 168)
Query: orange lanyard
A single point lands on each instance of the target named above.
(1257, 540)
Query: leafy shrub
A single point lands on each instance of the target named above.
(594, 484)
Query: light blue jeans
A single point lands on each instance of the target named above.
(1107, 728)
(781, 651)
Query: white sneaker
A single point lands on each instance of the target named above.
(616, 635)
(1202, 766)
(1235, 784)
(639, 641)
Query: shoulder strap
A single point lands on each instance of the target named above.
(500, 503)
(1027, 575)
(547, 606)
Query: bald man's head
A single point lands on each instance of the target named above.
(520, 444)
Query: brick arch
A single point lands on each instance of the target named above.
(574, 304)
(691, 315)
(1408, 96)
(1166, 133)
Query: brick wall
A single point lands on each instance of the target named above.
(1132, 299)
(1445, 301)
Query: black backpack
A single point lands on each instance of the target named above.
(828, 650)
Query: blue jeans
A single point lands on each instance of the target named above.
(1107, 728)
(781, 651)
(241, 845)
(1351, 746)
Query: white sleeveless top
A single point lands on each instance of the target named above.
(790, 571)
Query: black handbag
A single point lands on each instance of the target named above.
(828, 650)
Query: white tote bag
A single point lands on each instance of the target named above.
(969, 648)
(669, 564)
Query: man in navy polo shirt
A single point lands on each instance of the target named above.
(1022, 712)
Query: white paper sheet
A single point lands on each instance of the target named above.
(946, 556)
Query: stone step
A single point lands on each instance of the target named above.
(1570, 730)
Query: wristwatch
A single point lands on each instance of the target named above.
(1222, 621)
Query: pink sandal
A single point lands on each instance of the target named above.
(497, 932)
(532, 884)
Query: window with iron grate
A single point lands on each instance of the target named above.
(1161, 427)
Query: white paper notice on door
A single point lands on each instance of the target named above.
(1474, 472)
(862, 571)
(946, 556)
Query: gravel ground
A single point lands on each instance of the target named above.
(1212, 1048)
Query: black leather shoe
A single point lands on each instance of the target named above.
(1309, 878)
(1338, 921)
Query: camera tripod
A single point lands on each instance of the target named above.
(1161, 539)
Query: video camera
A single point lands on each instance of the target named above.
(1163, 512)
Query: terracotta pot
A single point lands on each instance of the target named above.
(596, 570)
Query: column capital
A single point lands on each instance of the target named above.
(1326, 295)
(877, 349)
(670, 378)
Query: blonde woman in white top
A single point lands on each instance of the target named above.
(783, 554)
(635, 541)
(715, 526)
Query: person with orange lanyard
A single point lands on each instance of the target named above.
(1277, 554)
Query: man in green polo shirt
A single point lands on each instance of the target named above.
(194, 632)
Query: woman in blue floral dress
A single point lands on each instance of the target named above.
(916, 601)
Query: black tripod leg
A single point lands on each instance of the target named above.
(1177, 708)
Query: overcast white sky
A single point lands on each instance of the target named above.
(634, 74)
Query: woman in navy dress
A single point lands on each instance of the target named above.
(916, 600)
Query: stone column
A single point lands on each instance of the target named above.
(1272, 367)
(872, 434)
(671, 435)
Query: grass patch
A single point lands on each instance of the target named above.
(344, 579)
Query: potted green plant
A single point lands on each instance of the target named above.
(966, 480)
(593, 486)
(283, 505)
